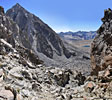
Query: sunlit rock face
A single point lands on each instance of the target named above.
(101, 48)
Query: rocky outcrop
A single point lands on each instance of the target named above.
(11, 32)
(101, 48)
(1, 10)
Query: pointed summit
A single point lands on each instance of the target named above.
(17, 6)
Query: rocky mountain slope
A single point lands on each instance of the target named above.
(42, 38)
(45, 42)
(102, 45)
(80, 35)
(23, 75)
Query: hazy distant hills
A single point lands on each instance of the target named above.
(80, 39)
(80, 35)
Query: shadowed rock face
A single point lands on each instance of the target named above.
(101, 48)
(42, 38)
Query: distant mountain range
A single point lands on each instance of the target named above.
(80, 35)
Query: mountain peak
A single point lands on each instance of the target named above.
(17, 5)
(107, 15)
(29, 23)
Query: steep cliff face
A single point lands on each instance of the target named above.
(101, 50)
(42, 38)
(7, 28)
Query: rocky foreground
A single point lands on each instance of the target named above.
(22, 79)
(23, 75)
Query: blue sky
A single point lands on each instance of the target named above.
(65, 15)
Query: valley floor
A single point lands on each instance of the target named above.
(84, 45)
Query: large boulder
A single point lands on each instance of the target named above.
(101, 47)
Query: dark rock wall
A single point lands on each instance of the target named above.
(101, 48)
